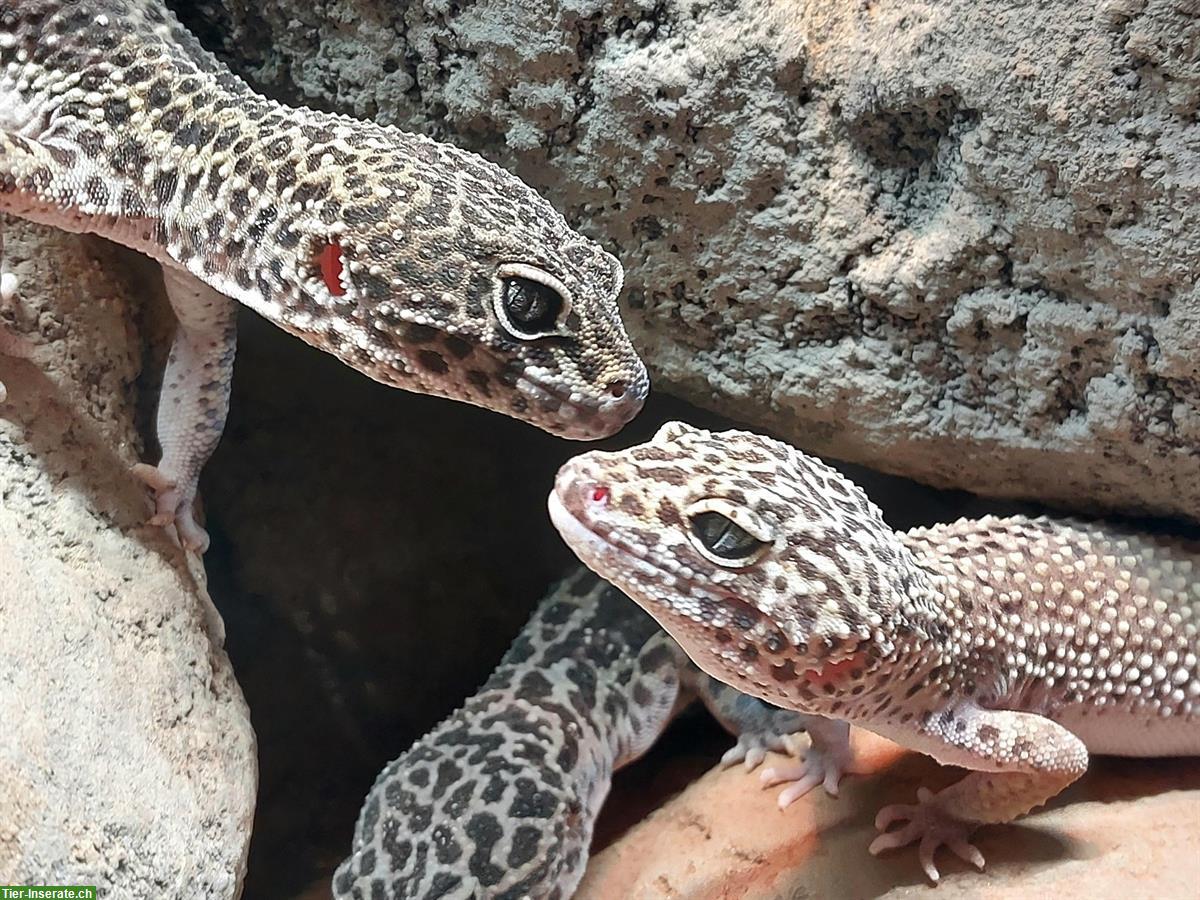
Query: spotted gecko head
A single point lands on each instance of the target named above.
(431, 269)
(770, 568)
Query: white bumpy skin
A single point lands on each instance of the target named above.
(1010, 646)
(500, 800)
(421, 265)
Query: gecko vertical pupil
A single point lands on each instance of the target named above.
(531, 307)
(722, 537)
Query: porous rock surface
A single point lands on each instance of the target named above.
(126, 752)
(955, 241)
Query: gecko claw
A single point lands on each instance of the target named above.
(750, 757)
(928, 823)
(166, 492)
(191, 535)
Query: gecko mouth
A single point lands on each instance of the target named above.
(581, 417)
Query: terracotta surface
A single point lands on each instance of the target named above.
(1130, 828)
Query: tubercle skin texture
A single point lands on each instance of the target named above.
(133, 131)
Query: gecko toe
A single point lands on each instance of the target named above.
(832, 782)
(821, 766)
(752, 747)
(742, 753)
(193, 538)
(800, 779)
(966, 851)
(893, 839)
(925, 852)
(152, 477)
(754, 758)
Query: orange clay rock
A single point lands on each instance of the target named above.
(1127, 828)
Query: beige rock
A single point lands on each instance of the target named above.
(126, 752)
(954, 241)
(1127, 829)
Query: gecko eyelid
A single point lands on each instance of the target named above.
(533, 273)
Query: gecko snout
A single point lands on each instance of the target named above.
(622, 399)
(580, 489)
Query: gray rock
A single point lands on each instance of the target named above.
(127, 760)
(955, 241)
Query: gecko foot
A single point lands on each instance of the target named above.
(752, 748)
(172, 508)
(822, 765)
(930, 824)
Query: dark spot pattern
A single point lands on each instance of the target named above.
(516, 766)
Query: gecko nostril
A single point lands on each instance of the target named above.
(617, 389)
(599, 495)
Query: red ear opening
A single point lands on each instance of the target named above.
(331, 268)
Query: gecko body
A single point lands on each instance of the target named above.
(1010, 646)
(500, 800)
(421, 265)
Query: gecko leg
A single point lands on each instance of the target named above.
(193, 403)
(758, 726)
(827, 759)
(37, 176)
(1027, 759)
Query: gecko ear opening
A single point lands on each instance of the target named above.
(330, 262)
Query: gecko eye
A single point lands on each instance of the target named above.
(725, 539)
(533, 308)
(530, 302)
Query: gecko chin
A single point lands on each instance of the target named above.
(424, 360)
(568, 415)
(576, 416)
